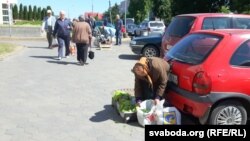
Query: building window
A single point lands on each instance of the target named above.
(5, 12)
(4, 6)
(5, 18)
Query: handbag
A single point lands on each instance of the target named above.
(72, 49)
(54, 43)
(91, 54)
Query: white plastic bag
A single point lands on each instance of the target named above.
(54, 43)
(146, 118)
(168, 116)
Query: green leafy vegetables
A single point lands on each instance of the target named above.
(124, 100)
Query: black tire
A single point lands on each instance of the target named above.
(219, 115)
(151, 51)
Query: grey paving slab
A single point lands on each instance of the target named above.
(45, 99)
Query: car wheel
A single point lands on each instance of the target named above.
(228, 113)
(150, 51)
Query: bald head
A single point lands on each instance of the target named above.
(117, 17)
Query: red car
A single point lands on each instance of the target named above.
(210, 76)
(186, 23)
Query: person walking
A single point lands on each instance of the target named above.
(48, 26)
(118, 27)
(82, 36)
(151, 76)
(62, 30)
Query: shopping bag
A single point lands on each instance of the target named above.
(145, 113)
(54, 43)
(168, 116)
(72, 49)
(91, 54)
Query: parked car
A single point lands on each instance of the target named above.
(209, 76)
(148, 46)
(101, 23)
(150, 27)
(131, 29)
(184, 24)
(130, 21)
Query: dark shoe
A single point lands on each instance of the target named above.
(81, 63)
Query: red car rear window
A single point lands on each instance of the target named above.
(194, 48)
(180, 26)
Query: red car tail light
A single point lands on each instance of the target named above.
(202, 83)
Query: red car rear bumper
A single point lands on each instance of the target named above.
(189, 106)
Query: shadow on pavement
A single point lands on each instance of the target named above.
(63, 63)
(129, 57)
(39, 47)
(44, 57)
(189, 120)
(109, 113)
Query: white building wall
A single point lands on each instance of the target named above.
(4, 12)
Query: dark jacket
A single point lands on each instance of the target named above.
(62, 27)
(158, 71)
(118, 25)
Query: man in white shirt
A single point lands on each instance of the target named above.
(48, 26)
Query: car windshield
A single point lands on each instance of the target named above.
(131, 26)
(194, 48)
(156, 24)
(180, 26)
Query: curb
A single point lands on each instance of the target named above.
(21, 38)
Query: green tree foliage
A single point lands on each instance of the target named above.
(240, 6)
(21, 11)
(34, 13)
(30, 13)
(162, 9)
(49, 8)
(224, 9)
(139, 9)
(114, 12)
(15, 12)
(197, 6)
(43, 13)
(25, 13)
(166, 9)
(38, 14)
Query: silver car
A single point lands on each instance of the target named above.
(150, 27)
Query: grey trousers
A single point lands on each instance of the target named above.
(61, 45)
(49, 35)
(118, 36)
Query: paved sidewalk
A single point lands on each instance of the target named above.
(42, 99)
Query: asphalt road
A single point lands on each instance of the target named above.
(45, 99)
(42, 98)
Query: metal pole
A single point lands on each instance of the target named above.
(92, 7)
(125, 22)
(9, 13)
(110, 16)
